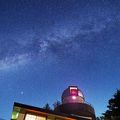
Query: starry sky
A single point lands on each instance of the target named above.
(47, 45)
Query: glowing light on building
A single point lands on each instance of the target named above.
(73, 97)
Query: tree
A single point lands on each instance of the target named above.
(56, 104)
(100, 118)
(47, 106)
(113, 112)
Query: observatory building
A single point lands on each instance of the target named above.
(73, 107)
(73, 103)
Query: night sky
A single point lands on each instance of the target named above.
(47, 45)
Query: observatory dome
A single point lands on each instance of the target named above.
(72, 95)
(73, 103)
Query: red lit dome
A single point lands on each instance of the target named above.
(73, 103)
(72, 95)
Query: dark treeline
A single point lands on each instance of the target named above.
(113, 108)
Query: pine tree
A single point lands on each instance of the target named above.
(47, 106)
(100, 118)
(113, 112)
(56, 104)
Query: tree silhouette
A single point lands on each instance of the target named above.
(56, 104)
(100, 118)
(113, 112)
(47, 106)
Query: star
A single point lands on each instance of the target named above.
(21, 92)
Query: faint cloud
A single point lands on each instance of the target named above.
(14, 61)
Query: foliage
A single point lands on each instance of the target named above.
(47, 106)
(56, 104)
(100, 118)
(113, 112)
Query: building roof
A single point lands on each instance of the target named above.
(50, 112)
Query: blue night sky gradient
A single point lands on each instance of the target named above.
(47, 45)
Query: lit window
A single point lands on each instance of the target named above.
(30, 117)
(40, 118)
(15, 115)
(34, 117)
(74, 91)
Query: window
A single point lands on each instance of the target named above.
(30, 117)
(15, 115)
(40, 118)
(34, 117)
(74, 91)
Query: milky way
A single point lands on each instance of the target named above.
(82, 32)
(82, 39)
